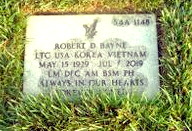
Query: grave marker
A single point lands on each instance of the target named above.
(75, 53)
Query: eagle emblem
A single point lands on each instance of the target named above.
(90, 30)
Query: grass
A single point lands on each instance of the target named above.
(171, 110)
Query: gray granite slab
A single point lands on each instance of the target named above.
(76, 53)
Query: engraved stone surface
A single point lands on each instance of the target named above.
(76, 53)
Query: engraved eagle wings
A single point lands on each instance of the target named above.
(91, 30)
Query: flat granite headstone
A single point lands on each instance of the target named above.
(76, 53)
